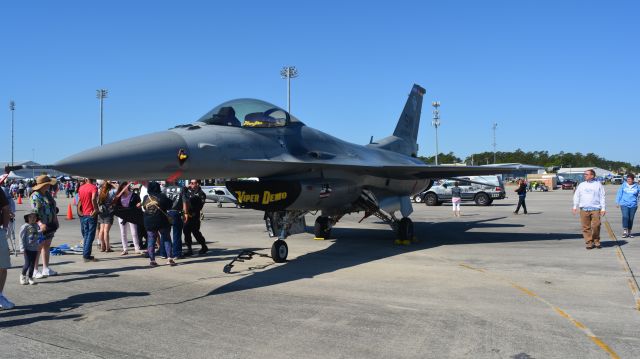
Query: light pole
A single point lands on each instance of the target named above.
(436, 123)
(101, 94)
(289, 72)
(12, 108)
(495, 125)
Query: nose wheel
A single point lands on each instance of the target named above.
(279, 251)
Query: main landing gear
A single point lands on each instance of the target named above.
(322, 228)
(405, 231)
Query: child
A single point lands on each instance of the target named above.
(31, 236)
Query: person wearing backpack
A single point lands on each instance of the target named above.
(194, 199)
(156, 221)
(106, 205)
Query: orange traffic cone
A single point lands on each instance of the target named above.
(69, 212)
(19, 199)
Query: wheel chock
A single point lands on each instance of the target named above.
(415, 239)
(397, 242)
(318, 239)
(406, 242)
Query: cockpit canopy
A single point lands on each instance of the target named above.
(253, 113)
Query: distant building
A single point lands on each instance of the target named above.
(575, 173)
(32, 173)
(522, 170)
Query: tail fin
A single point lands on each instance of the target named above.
(405, 136)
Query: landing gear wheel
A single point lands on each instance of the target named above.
(279, 251)
(482, 199)
(431, 199)
(405, 229)
(321, 228)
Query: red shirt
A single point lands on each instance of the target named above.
(85, 193)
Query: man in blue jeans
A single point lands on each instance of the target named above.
(175, 193)
(88, 210)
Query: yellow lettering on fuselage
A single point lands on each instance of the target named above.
(269, 197)
(244, 197)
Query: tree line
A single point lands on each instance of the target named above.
(538, 158)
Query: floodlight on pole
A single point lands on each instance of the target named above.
(436, 123)
(289, 72)
(12, 108)
(101, 94)
(495, 125)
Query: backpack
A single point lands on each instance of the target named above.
(152, 209)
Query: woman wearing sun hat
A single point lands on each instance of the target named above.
(43, 203)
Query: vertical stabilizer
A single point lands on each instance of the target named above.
(409, 122)
(405, 136)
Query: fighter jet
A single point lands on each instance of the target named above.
(300, 169)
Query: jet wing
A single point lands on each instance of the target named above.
(396, 172)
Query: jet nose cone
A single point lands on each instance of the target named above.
(152, 156)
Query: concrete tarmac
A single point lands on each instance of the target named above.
(490, 284)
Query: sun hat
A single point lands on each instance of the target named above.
(33, 211)
(42, 181)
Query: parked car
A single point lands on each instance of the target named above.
(616, 180)
(484, 194)
(568, 184)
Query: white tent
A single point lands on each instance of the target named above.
(13, 176)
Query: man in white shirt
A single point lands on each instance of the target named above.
(589, 199)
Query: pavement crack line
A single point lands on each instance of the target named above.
(53, 345)
(633, 282)
(583, 328)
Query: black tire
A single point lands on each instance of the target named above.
(279, 251)
(418, 198)
(321, 228)
(405, 229)
(482, 199)
(431, 199)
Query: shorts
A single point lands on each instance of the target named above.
(456, 199)
(105, 219)
(5, 256)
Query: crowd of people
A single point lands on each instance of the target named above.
(157, 218)
(152, 216)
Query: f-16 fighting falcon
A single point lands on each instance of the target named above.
(300, 169)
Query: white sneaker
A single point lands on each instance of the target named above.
(32, 282)
(39, 275)
(5, 303)
(23, 279)
(49, 272)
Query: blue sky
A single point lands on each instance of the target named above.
(554, 75)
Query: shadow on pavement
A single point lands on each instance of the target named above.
(50, 310)
(352, 247)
